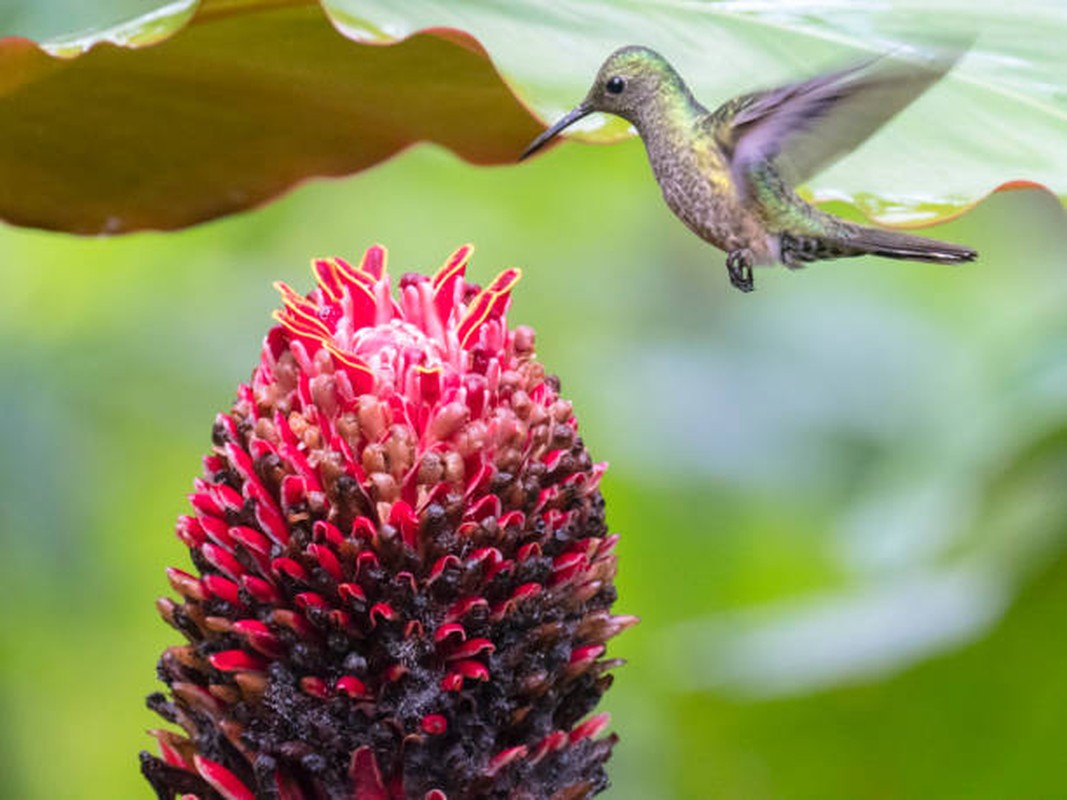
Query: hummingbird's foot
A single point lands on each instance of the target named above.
(796, 252)
(739, 264)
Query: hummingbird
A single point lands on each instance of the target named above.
(729, 174)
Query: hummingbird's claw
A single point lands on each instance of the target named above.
(739, 264)
(796, 252)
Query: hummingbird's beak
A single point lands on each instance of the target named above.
(566, 120)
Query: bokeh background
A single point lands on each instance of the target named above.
(841, 498)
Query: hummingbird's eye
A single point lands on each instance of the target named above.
(615, 85)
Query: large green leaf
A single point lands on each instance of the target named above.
(200, 109)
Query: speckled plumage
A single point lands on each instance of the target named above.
(728, 174)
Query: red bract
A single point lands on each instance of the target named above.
(404, 578)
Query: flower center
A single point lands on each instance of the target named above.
(394, 348)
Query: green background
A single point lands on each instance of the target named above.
(840, 497)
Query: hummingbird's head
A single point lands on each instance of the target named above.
(628, 81)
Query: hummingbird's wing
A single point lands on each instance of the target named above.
(804, 127)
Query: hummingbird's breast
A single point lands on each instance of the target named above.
(694, 176)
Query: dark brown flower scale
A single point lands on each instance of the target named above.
(403, 578)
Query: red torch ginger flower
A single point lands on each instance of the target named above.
(403, 577)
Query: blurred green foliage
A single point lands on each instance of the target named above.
(840, 498)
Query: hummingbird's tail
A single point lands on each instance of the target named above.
(858, 240)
